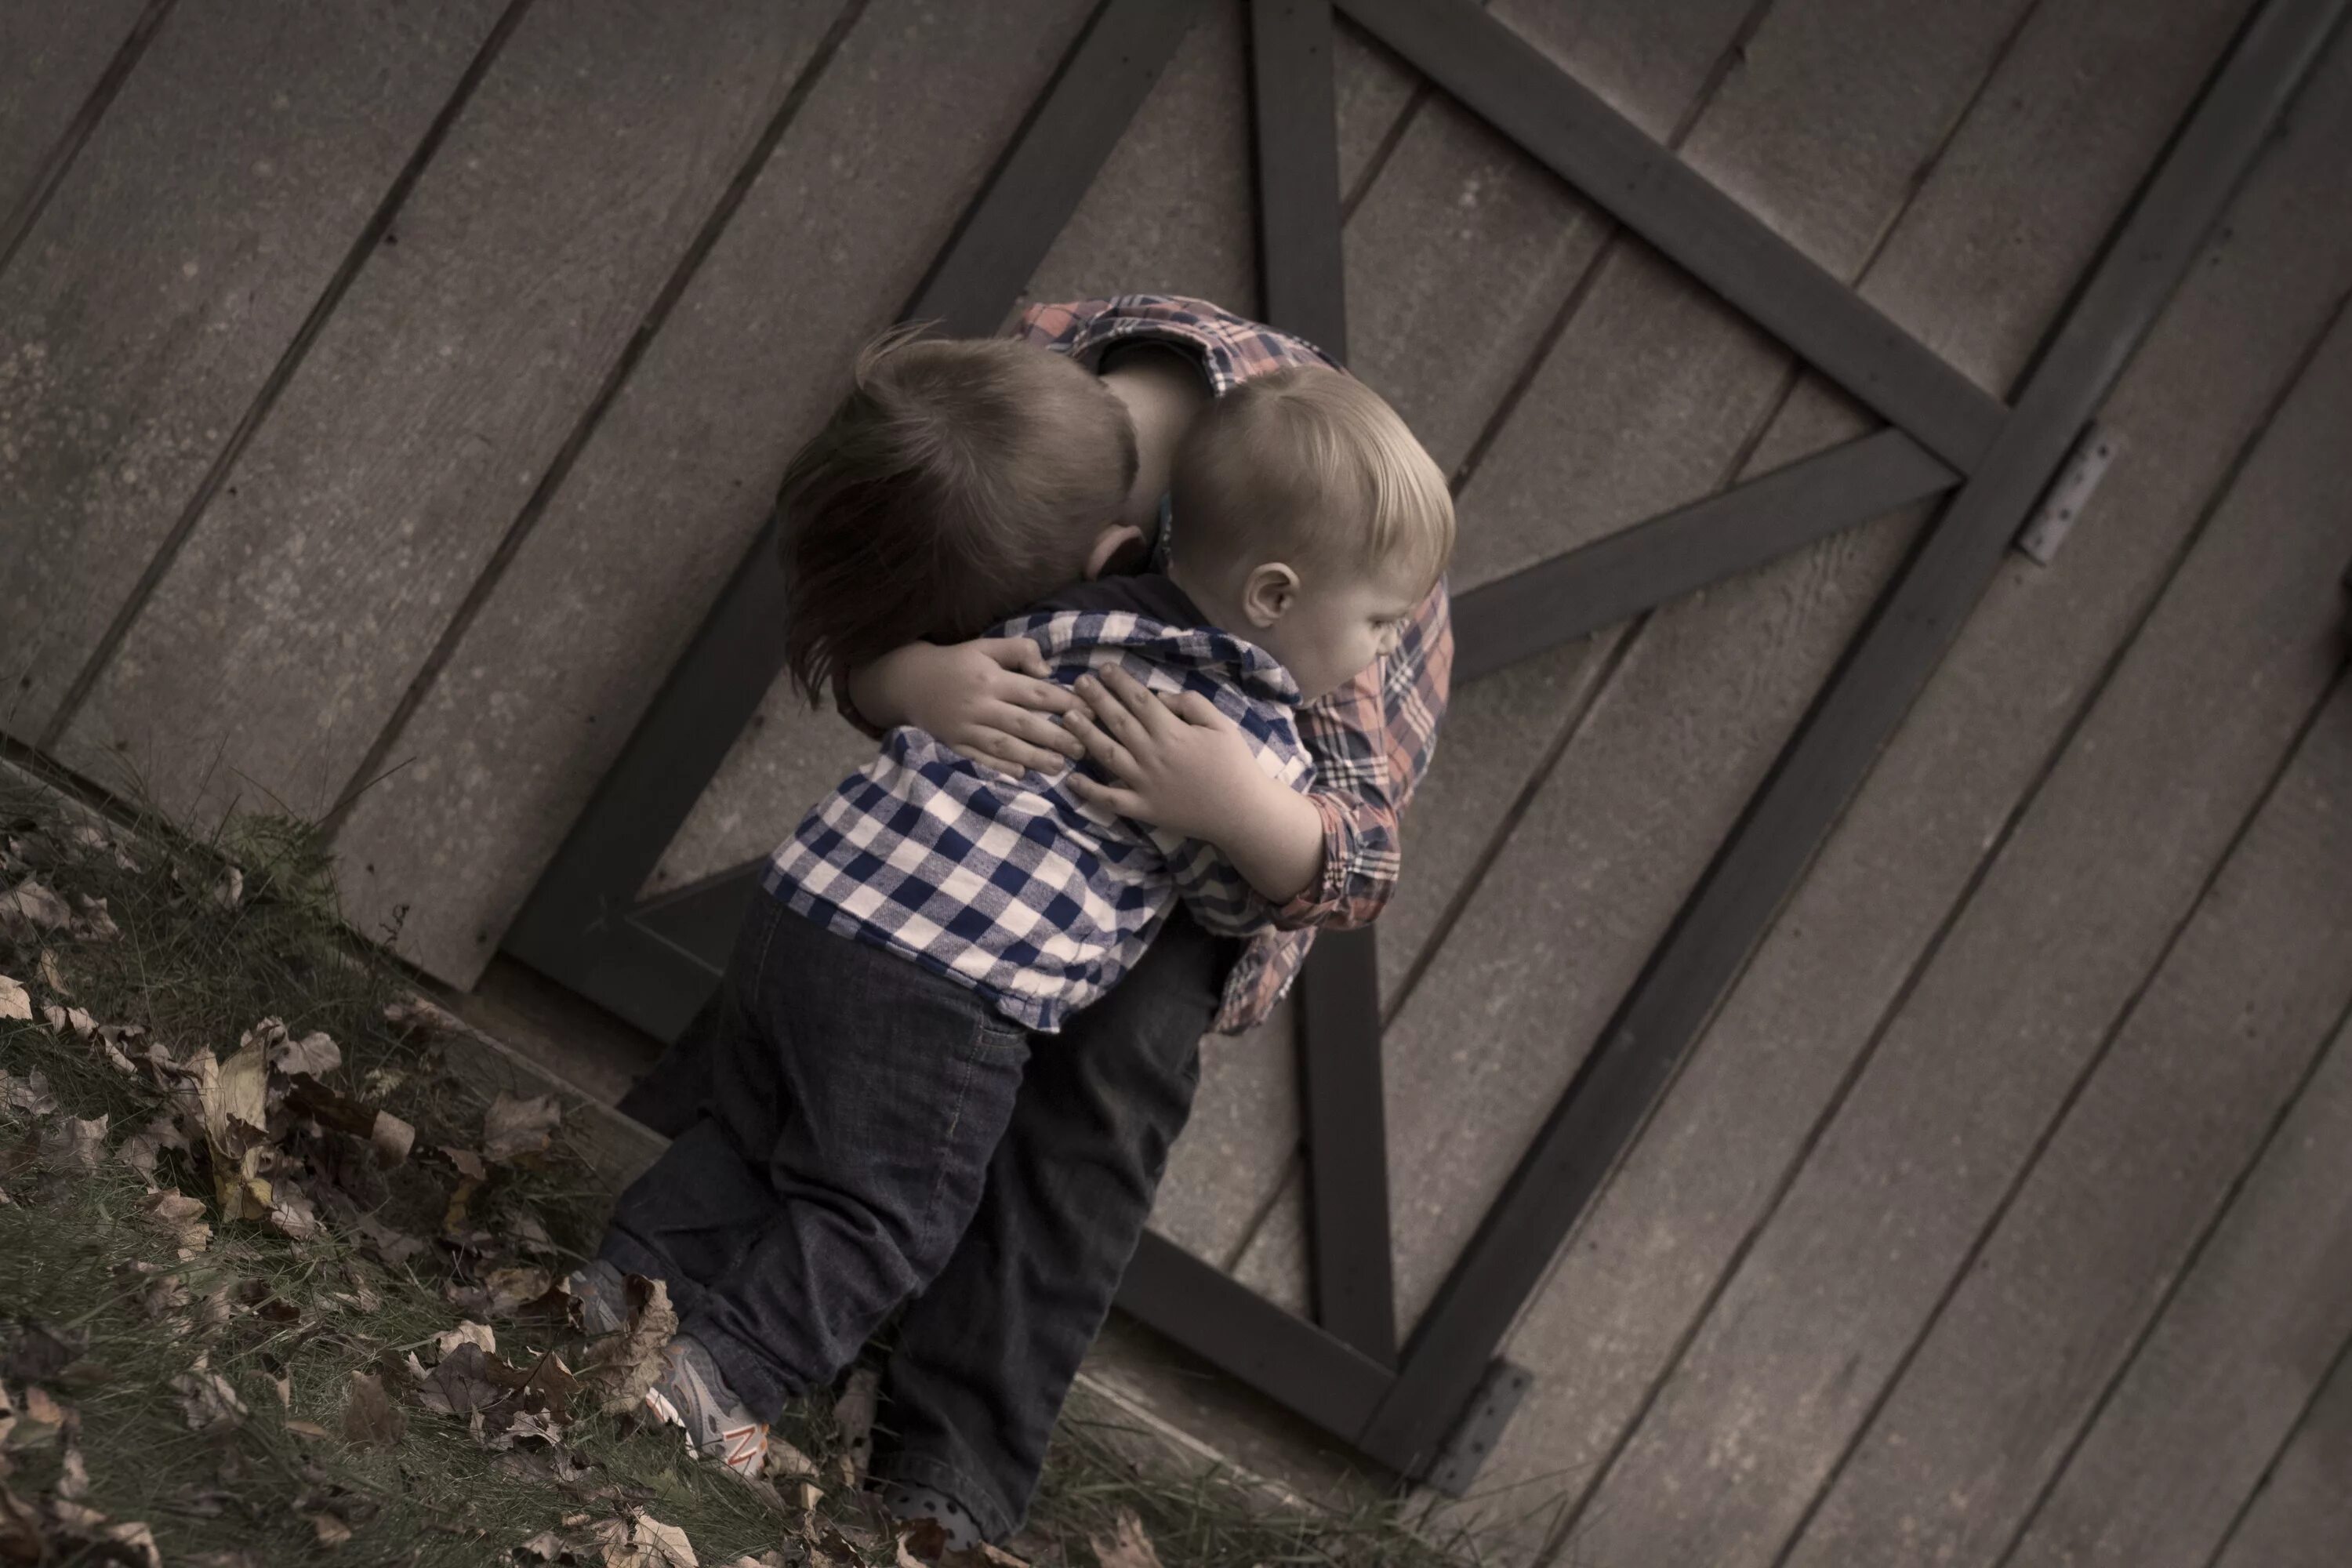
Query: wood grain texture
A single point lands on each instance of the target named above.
(2070, 917)
(2141, 1162)
(1663, 391)
(1693, 1189)
(286, 631)
(1461, 257)
(1458, 257)
(828, 243)
(1171, 212)
(2244, 1346)
(50, 57)
(2304, 1515)
(169, 272)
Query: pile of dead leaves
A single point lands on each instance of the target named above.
(57, 1523)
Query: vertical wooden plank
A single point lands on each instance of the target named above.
(829, 242)
(1459, 259)
(1462, 256)
(2175, 1110)
(1171, 211)
(2238, 1356)
(51, 58)
(1659, 392)
(151, 304)
(1989, 1040)
(2303, 1515)
(1296, 158)
(1687, 1202)
(433, 402)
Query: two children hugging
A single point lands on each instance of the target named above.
(897, 1100)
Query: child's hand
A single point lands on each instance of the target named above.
(988, 699)
(1181, 767)
(1189, 770)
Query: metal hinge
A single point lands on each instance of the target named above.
(2069, 493)
(1481, 1427)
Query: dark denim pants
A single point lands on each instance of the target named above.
(852, 1100)
(978, 1367)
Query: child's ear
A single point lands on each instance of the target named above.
(1120, 546)
(1269, 593)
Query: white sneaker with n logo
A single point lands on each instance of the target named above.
(691, 1394)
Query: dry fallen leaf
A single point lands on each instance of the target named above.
(30, 906)
(235, 1099)
(208, 1399)
(229, 891)
(468, 1380)
(73, 1477)
(292, 1214)
(95, 924)
(143, 1148)
(1126, 1546)
(467, 1333)
(180, 1217)
(74, 1143)
(331, 1531)
(370, 1417)
(392, 1138)
(515, 1129)
(15, 1001)
(52, 976)
(313, 1056)
(29, 1094)
(649, 1543)
(621, 1366)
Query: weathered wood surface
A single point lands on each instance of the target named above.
(1170, 210)
(1993, 1033)
(371, 500)
(2139, 1164)
(828, 243)
(1472, 255)
(51, 57)
(2241, 1349)
(1601, 858)
(1688, 1201)
(170, 270)
(1161, 215)
(2303, 1516)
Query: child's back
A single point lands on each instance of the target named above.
(1016, 886)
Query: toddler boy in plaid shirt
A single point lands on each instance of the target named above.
(933, 920)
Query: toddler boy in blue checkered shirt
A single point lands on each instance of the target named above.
(933, 920)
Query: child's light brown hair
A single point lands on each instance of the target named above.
(1308, 465)
(960, 481)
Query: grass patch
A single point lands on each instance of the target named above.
(179, 949)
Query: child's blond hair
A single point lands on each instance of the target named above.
(1309, 466)
(960, 481)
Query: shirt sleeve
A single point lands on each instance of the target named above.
(1371, 741)
(1220, 899)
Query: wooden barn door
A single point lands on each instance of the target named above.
(1425, 1407)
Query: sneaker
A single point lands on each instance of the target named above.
(603, 1292)
(909, 1504)
(690, 1393)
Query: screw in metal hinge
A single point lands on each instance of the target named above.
(2069, 493)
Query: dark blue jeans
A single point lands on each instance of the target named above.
(978, 1367)
(851, 1102)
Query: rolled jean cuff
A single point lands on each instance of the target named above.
(970, 1491)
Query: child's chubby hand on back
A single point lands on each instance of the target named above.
(1189, 769)
(989, 698)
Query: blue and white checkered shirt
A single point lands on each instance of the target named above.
(1015, 887)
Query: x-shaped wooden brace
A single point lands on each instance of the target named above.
(654, 960)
